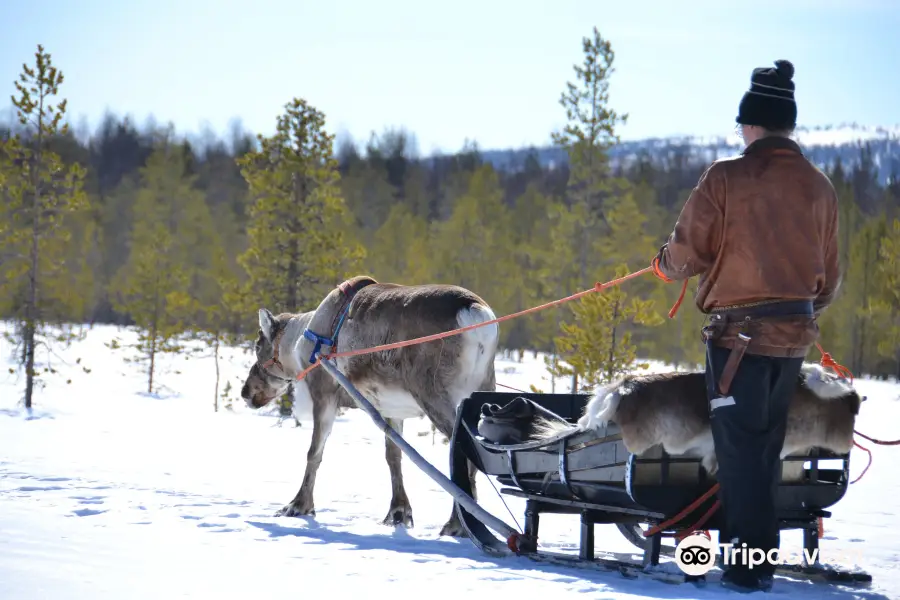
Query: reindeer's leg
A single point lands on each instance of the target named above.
(400, 512)
(324, 413)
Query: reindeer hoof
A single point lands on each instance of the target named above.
(296, 510)
(453, 528)
(401, 515)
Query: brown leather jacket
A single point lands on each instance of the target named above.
(760, 229)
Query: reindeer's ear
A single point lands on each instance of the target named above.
(266, 323)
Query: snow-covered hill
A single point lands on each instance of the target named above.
(824, 145)
(110, 493)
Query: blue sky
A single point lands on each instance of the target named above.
(486, 70)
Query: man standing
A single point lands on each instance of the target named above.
(760, 230)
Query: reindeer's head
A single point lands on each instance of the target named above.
(268, 379)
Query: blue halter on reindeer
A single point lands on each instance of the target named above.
(349, 290)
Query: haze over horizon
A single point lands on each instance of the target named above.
(488, 72)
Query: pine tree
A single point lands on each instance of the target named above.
(298, 245)
(399, 251)
(158, 285)
(368, 194)
(627, 240)
(217, 307)
(529, 236)
(590, 132)
(839, 323)
(587, 137)
(42, 198)
(474, 247)
(884, 305)
(862, 283)
(597, 345)
(598, 342)
(558, 273)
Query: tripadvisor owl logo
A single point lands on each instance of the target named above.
(696, 554)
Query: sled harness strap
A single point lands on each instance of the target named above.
(274, 360)
(348, 291)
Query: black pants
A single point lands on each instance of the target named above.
(749, 435)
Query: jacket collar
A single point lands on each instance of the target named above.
(772, 143)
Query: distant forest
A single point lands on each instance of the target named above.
(137, 226)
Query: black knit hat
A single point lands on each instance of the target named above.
(770, 101)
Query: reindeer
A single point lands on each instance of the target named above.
(429, 379)
(672, 409)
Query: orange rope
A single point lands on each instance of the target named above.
(829, 363)
(678, 302)
(842, 371)
(598, 287)
(696, 526)
(668, 523)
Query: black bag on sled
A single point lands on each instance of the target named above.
(515, 423)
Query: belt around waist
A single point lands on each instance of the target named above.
(802, 308)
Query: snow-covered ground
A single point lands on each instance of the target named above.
(108, 493)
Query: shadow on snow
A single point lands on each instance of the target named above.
(520, 567)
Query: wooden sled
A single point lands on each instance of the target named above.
(595, 477)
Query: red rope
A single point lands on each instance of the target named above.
(867, 451)
(879, 442)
